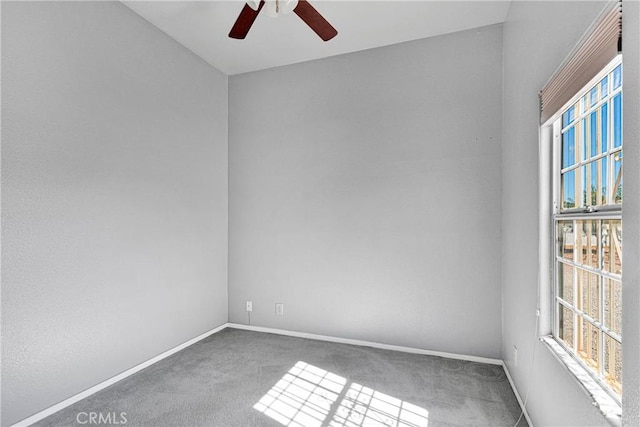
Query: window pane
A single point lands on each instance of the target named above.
(587, 242)
(604, 124)
(613, 363)
(592, 184)
(565, 239)
(569, 189)
(617, 77)
(616, 247)
(588, 196)
(612, 246)
(601, 191)
(565, 282)
(568, 116)
(593, 134)
(617, 177)
(568, 148)
(590, 136)
(593, 96)
(585, 148)
(589, 294)
(604, 86)
(565, 325)
(580, 139)
(617, 120)
(588, 343)
(613, 305)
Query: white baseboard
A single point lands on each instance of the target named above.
(88, 392)
(366, 344)
(515, 391)
(96, 388)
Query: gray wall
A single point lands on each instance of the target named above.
(537, 38)
(371, 213)
(631, 215)
(365, 194)
(114, 198)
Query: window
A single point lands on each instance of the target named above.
(587, 219)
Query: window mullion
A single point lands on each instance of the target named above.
(608, 161)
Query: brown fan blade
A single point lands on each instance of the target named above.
(315, 21)
(245, 21)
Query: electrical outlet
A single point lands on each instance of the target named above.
(280, 309)
(249, 306)
(515, 356)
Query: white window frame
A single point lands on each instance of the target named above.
(550, 212)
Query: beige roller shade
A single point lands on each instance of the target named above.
(597, 48)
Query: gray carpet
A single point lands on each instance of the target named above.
(242, 378)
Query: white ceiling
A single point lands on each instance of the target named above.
(203, 27)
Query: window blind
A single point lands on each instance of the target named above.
(596, 49)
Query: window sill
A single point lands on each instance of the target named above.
(611, 409)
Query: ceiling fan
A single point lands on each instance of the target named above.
(274, 8)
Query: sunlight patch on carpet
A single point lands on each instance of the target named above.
(307, 396)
